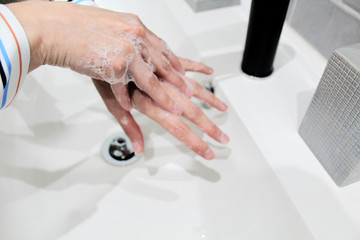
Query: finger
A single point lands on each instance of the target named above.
(124, 117)
(205, 95)
(146, 56)
(145, 53)
(191, 66)
(175, 62)
(172, 124)
(160, 44)
(146, 80)
(196, 116)
(121, 94)
(132, 130)
(165, 70)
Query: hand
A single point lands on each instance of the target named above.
(170, 122)
(105, 45)
(124, 117)
(175, 126)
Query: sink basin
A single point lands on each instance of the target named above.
(56, 185)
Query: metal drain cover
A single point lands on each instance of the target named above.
(117, 150)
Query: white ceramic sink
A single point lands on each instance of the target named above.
(54, 183)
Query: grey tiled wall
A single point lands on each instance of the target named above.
(326, 24)
(355, 4)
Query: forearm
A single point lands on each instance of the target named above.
(23, 27)
(43, 24)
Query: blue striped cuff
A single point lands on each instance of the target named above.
(14, 56)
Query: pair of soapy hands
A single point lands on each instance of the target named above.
(130, 67)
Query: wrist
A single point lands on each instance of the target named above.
(33, 18)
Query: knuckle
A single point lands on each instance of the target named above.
(134, 16)
(179, 131)
(196, 114)
(181, 83)
(165, 100)
(120, 65)
(142, 103)
(128, 47)
(165, 66)
(153, 82)
(138, 30)
(214, 130)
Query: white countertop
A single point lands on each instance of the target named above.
(265, 184)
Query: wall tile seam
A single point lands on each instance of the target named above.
(346, 8)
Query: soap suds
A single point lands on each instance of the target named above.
(165, 59)
(124, 121)
(151, 66)
(164, 115)
(102, 64)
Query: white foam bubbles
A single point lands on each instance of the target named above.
(103, 64)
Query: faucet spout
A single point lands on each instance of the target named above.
(264, 30)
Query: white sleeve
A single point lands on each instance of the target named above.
(14, 56)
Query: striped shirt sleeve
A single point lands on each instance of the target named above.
(15, 53)
(14, 56)
(82, 2)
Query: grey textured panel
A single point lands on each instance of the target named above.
(324, 24)
(203, 5)
(331, 126)
(355, 4)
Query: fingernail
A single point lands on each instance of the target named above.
(224, 138)
(209, 154)
(222, 106)
(209, 70)
(137, 148)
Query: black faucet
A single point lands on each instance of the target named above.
(264, 30)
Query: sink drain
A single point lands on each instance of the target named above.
(117, 150)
